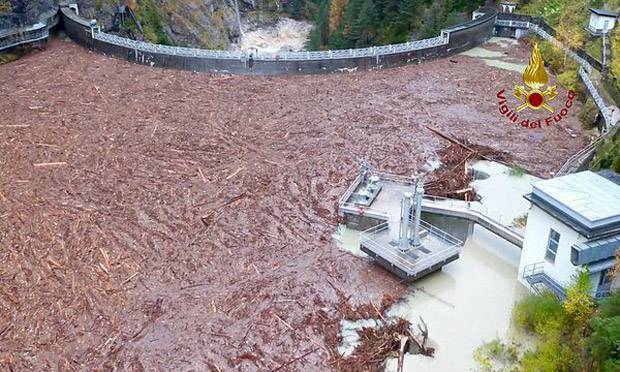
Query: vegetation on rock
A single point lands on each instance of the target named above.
(570, 335)
(608, 155)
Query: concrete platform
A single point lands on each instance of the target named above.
(436, 249)
(380, 220)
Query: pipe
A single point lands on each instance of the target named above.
(419, 193)
(405, 211)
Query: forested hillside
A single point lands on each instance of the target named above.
(360, 23)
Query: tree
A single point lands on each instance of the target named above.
(346, 38)
(579, 304)
(336, 12)
(363, 29)
(407, 18)
(319, 36)
(604, 342)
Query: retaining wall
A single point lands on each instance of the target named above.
(452, 40)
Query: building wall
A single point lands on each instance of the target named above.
(597, 22)
(535, 246)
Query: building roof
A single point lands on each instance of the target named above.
(587, 200)
(604, 12)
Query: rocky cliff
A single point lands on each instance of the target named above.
(15, 13)
(198, 23)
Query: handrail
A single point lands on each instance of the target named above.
(24, 35)
(271, 56)
(347, 194)
(375, 51)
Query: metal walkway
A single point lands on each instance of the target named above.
(453, 210)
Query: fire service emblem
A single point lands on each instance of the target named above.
(534, 94)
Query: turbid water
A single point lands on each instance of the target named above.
(496, 58)
(469, 302)
(287, 35)
(466, 304)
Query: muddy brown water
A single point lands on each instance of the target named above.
(162, 220)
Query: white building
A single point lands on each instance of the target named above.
(508, 6)
(601, 21)
(574, 222)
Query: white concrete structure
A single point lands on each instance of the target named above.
(508, 6)
(573, 223)
(601, 21)
(476, 13)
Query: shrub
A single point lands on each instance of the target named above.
(552, 355)
(553, 56)
(604, 343)
(608, 155)
(579, 305)
(535, 311)
(610, 306)
(588, 114)
(570, 80)
(521, 220)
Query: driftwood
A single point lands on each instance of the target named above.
(294, 360)
(208, 219)
(457, 142)
(52, 164)
(401, 352)
(421, 346)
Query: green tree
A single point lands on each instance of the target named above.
(579, 304)
(408, 19)
(604, 342)
(608, 155)
(362, 32)
(319, 36)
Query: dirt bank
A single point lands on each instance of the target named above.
(154, 219)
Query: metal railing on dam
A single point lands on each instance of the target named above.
(449, 41)
(24, 35)
(270, 56)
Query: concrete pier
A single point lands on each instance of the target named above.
(408, 248)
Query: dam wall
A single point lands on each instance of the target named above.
(450, 41)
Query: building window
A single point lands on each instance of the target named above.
(605, 279)
(552, 245)
(604, 283)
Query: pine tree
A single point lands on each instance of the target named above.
(407, 19)
(363, 29)
(319, 36)
(348, 21)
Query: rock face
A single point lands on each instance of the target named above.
(198, 23)
(16, 13)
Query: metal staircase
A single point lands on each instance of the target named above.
(534, 274)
